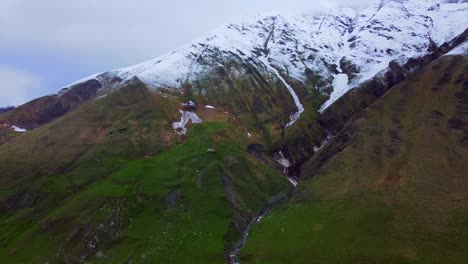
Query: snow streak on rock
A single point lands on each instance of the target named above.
(286, 164)
(283, 161)
(324, 143)
(300, 107)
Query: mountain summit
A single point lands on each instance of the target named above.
(361, 41)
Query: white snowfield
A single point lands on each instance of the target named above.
(340, 87)
(369, 38)
(461, 49)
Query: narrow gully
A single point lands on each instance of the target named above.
(282, 198)
(233, 255)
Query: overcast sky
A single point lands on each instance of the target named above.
(47, 44)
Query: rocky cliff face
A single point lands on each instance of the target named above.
(45, 109)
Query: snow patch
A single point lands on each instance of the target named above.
(18, 129)
(340, 87)
(461, 49)
(283, 161)
(292, 181)
(187, 116)
(209, 107)
(190, 103)
(325, 142)
(15, 128)
(286, 164)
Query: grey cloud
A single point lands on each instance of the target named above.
(17, 85)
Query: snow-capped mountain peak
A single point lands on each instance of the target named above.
(326, 44)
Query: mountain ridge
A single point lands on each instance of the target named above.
(167, 75)
(331, 53)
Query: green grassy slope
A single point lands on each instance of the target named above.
(397, 193)
(172, 208)
(98, 136)
(111, 182)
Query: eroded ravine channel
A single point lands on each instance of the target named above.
(276, 201)
(233, 254)
(280, 199)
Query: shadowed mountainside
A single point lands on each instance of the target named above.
(389, 188)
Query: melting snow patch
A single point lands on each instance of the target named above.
(209, 107)
(283, 161)
(190, 103)
(187, 116)
(461, 49)
(292, 181)
(15, 128)
(286, 164)
(248, 134)
(18, 129)
(317, 148)
(340, 87)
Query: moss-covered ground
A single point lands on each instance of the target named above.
(171, 208)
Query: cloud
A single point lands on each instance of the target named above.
(17, 86)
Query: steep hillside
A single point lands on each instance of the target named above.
(112, 182)
(393, 188)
